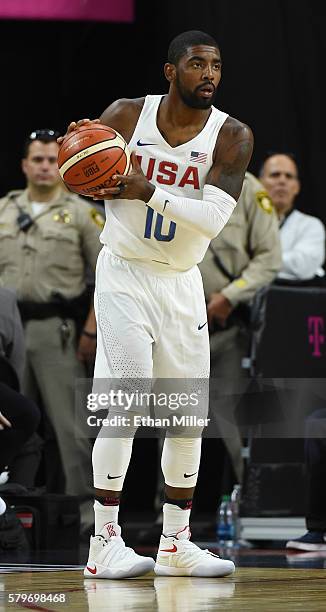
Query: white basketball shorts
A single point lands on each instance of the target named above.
(149, 325)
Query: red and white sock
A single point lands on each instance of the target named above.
(106, 511)
(175, 518)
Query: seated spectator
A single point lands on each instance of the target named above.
(302, 236)
(25, 464)
(19, 418)
(12, 345)
(315, 457)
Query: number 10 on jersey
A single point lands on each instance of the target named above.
(158, 222)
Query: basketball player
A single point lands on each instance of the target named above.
(188, 165)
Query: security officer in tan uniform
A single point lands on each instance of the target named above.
(48, 236)
(244, 257)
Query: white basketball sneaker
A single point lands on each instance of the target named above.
(109, 557)
(177, 556)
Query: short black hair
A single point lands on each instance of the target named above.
(269, 154)
(179, 45)
(44, 135)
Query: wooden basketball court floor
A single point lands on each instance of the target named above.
(264, 581)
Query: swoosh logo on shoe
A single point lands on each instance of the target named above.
(188, 475)
(92, 570)
(145, 144)
(171, 550)
(113, 477)
(201, 326)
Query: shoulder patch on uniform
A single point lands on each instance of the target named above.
(241, 283)
(264, 201)
(97, 217)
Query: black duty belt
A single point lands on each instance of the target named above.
(75, 308)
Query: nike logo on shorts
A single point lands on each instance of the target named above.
(113, 477)
(201, 326)
(145, 144)
(188, 475)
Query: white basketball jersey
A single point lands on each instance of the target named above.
(135, 231)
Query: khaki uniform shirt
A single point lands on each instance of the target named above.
(52, 255)
(248, 246)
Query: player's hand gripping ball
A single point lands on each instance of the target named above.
(90, 155)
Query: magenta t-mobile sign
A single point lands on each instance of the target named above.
(78, 10)
(316, 328)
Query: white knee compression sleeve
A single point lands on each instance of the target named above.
(207, 216)
(180, 461)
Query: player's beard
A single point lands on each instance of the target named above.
(191, 99)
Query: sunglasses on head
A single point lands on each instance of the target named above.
(39, 134)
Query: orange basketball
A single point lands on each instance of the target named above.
(90, 155)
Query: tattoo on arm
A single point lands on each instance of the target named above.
(233, 170)
(232, 159)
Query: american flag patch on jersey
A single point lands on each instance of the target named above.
(200, 158)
